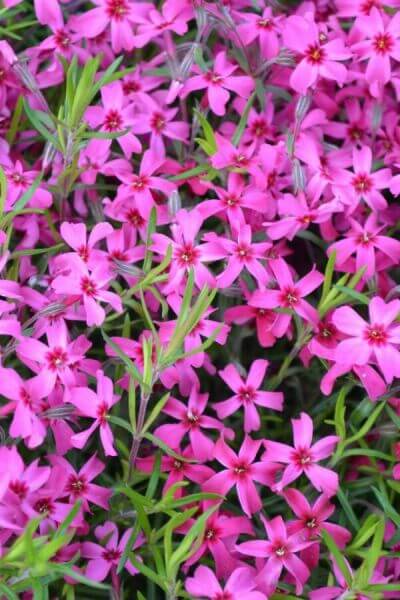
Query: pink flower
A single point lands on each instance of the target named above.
(303, 458)
(217, 81)
(89, 286)
(192, 421)
(318, 58)
(19, 181)
(75, 234)
(381, 43)
(173, 18)
(379, 339)
(95, 406)
(115, 116)
(105, 558)
(242, 254)
(241, 471)
(290, 293)
(240, 585)
(248, 395)
(365, 184)
(262, 27)
(119, 15)
(365, 241)
(280, 551)
(78, 484)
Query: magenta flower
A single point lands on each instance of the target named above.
(263, 27)
(240, 585)
(95, 406)
(89, 286)
(242, 254)
(365, 184)
(19, 181)
(79, 484)
(248, 395)
(318, 58)
(367, 243)
(186, 252)
(220, 534)
(241, 471)
(75, 234)
(312, 519)
(115, 116)
(217, 81)
(105, 558)
(172, 17)
(379, 339)
(280, 551)
(119, 15)
(303, 458)
(192, 421)
(381, 43)
(290, 293)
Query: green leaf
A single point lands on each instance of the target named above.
(347, 291)
(23, 201)
(148, 572)
(131, 368)
(77, 576)
(156, 410)
(362, 432)
(365, 532)
(160, 444)
(373, 554)
(350, 514)
(208, 132)
(3, 190)
(120, 422)
(337, 555)
(8, 593)
(237, 136)
(199, 170)
(330, 268)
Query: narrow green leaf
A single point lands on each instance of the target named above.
(237, 136)
(337, 555)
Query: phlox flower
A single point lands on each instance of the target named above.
(88, 286)
(247, 394)
(280, 551)
(119, 15)
(241, 471)
(191, 422)
(172, 17)
(366, 242)
(263, 27)
(78, 484)
(290, 293)
(95, 406)
(19, 181)
(381, 43)
(365, 184)
(303, 457)
(75, 234)
(104, 557)
(377, 339)
(239, 586)
(217, 81)
(319, 58)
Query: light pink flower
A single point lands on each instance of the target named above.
(240, 585)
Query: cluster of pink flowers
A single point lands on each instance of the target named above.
(250, 150)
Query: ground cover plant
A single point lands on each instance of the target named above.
(199, 299)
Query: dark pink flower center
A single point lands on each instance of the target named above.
(315, 54)
(280, 550)
(177, 465)
(83, 252)
(213, 78)
(157, 122)
(187, 255)
(240, 161)
(19, 488)
(306, 219)
(111, 554)
(62, 39)
(376, 335)
(113, 121)
(355, 133)
(57, 359)
(383, 43)
(362, 183)
(265, 23)
(368, 5)
(77, 485)
(192, 419)
(223, 596)
(247, 394)
(243, 252)
(131, 86)
(134, 217)
(44, 505)
(366, 239)
(231, 200)
(311, 522)
(88, 287)
(102, 413)
(18, 179)
(259, 127)
(302, 457)
(139, 182)
(212, 534)
(241, 469)
(289, 297)
(25, 398)
(117, 9)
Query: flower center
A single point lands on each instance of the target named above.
(44, 505)
(243, 252)
(83, 252)
(362, 183)
(57, 358)
(240, 160)
(177, 465)
(315, 54)
(111, 554)
(76, 485)
(102, 413)
(130, 87)
(365, 239)
(281, 551)
(214, 78)
(157, 122)
(139, 182)
(311, 523)
(25, 397)
(135, 218)
(376, 335)
(259, 128)
(289, 297)
(232, 201)
(187, 255)
(88, 287)
(383, 43)
(19, 488)
(192, 419)
(247, 394)
(18, 179)
(113, 121)
(241, 469)
(265, 23)
(302, 458)
(61, 39)
(117, 9)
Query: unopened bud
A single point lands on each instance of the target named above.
(123, 268)
(302, 106)
(299, 179)
(174, 203)
(58, 412)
